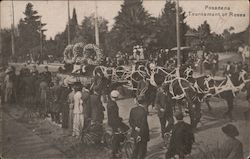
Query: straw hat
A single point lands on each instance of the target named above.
(114, 94)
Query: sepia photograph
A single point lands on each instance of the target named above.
(124, 79)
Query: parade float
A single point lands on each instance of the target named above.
(80, 61)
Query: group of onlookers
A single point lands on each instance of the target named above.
(234, 67)
(76, 107)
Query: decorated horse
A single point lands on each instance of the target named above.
(225, 88)
(183, 94)
(179, 89)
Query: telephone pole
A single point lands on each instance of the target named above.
(68, 23)
(96, 26)
(41, 38)
(12, 30)
(178, 34)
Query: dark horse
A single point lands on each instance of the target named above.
(206, 86)
(181, 91)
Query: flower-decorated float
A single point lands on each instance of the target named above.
(80, 61)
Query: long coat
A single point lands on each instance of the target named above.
(97, 114)
(86, 104)
(114, 121)
(62, 99)
(138, 118)
(232, 149)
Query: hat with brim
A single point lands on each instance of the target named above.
(230, 130)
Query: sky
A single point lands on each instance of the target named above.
(54, 13)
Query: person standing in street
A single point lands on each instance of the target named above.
(64, 91)
(78, 119)
(232, 148)
(165, 112)
(55, 104)
(181, 140)
(140, 129)
(114, 121)
(43, 97)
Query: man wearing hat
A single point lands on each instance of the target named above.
(181, 140)
(140, 129)
(115, 122)
(64, 91)
(55, 105)
(232, 147)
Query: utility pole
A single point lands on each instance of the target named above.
(96, 26)
(68, 23)
(178, 34)
(12, 30)
(41, 38)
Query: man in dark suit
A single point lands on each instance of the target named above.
(140, 129)
(165, 112)
(114, 121)
(64, 91)
(181, 140)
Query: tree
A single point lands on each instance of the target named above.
(61, 39)
(239, 39)
(215, 42)
(204, 30)
(86, 32)
(60, 43)
(29, 30)
(133, 25)
(73, 26)
(166, 23)
(5, 44)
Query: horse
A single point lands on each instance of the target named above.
(227, 88)
(179, 89)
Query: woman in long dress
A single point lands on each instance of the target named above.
(78, 111)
